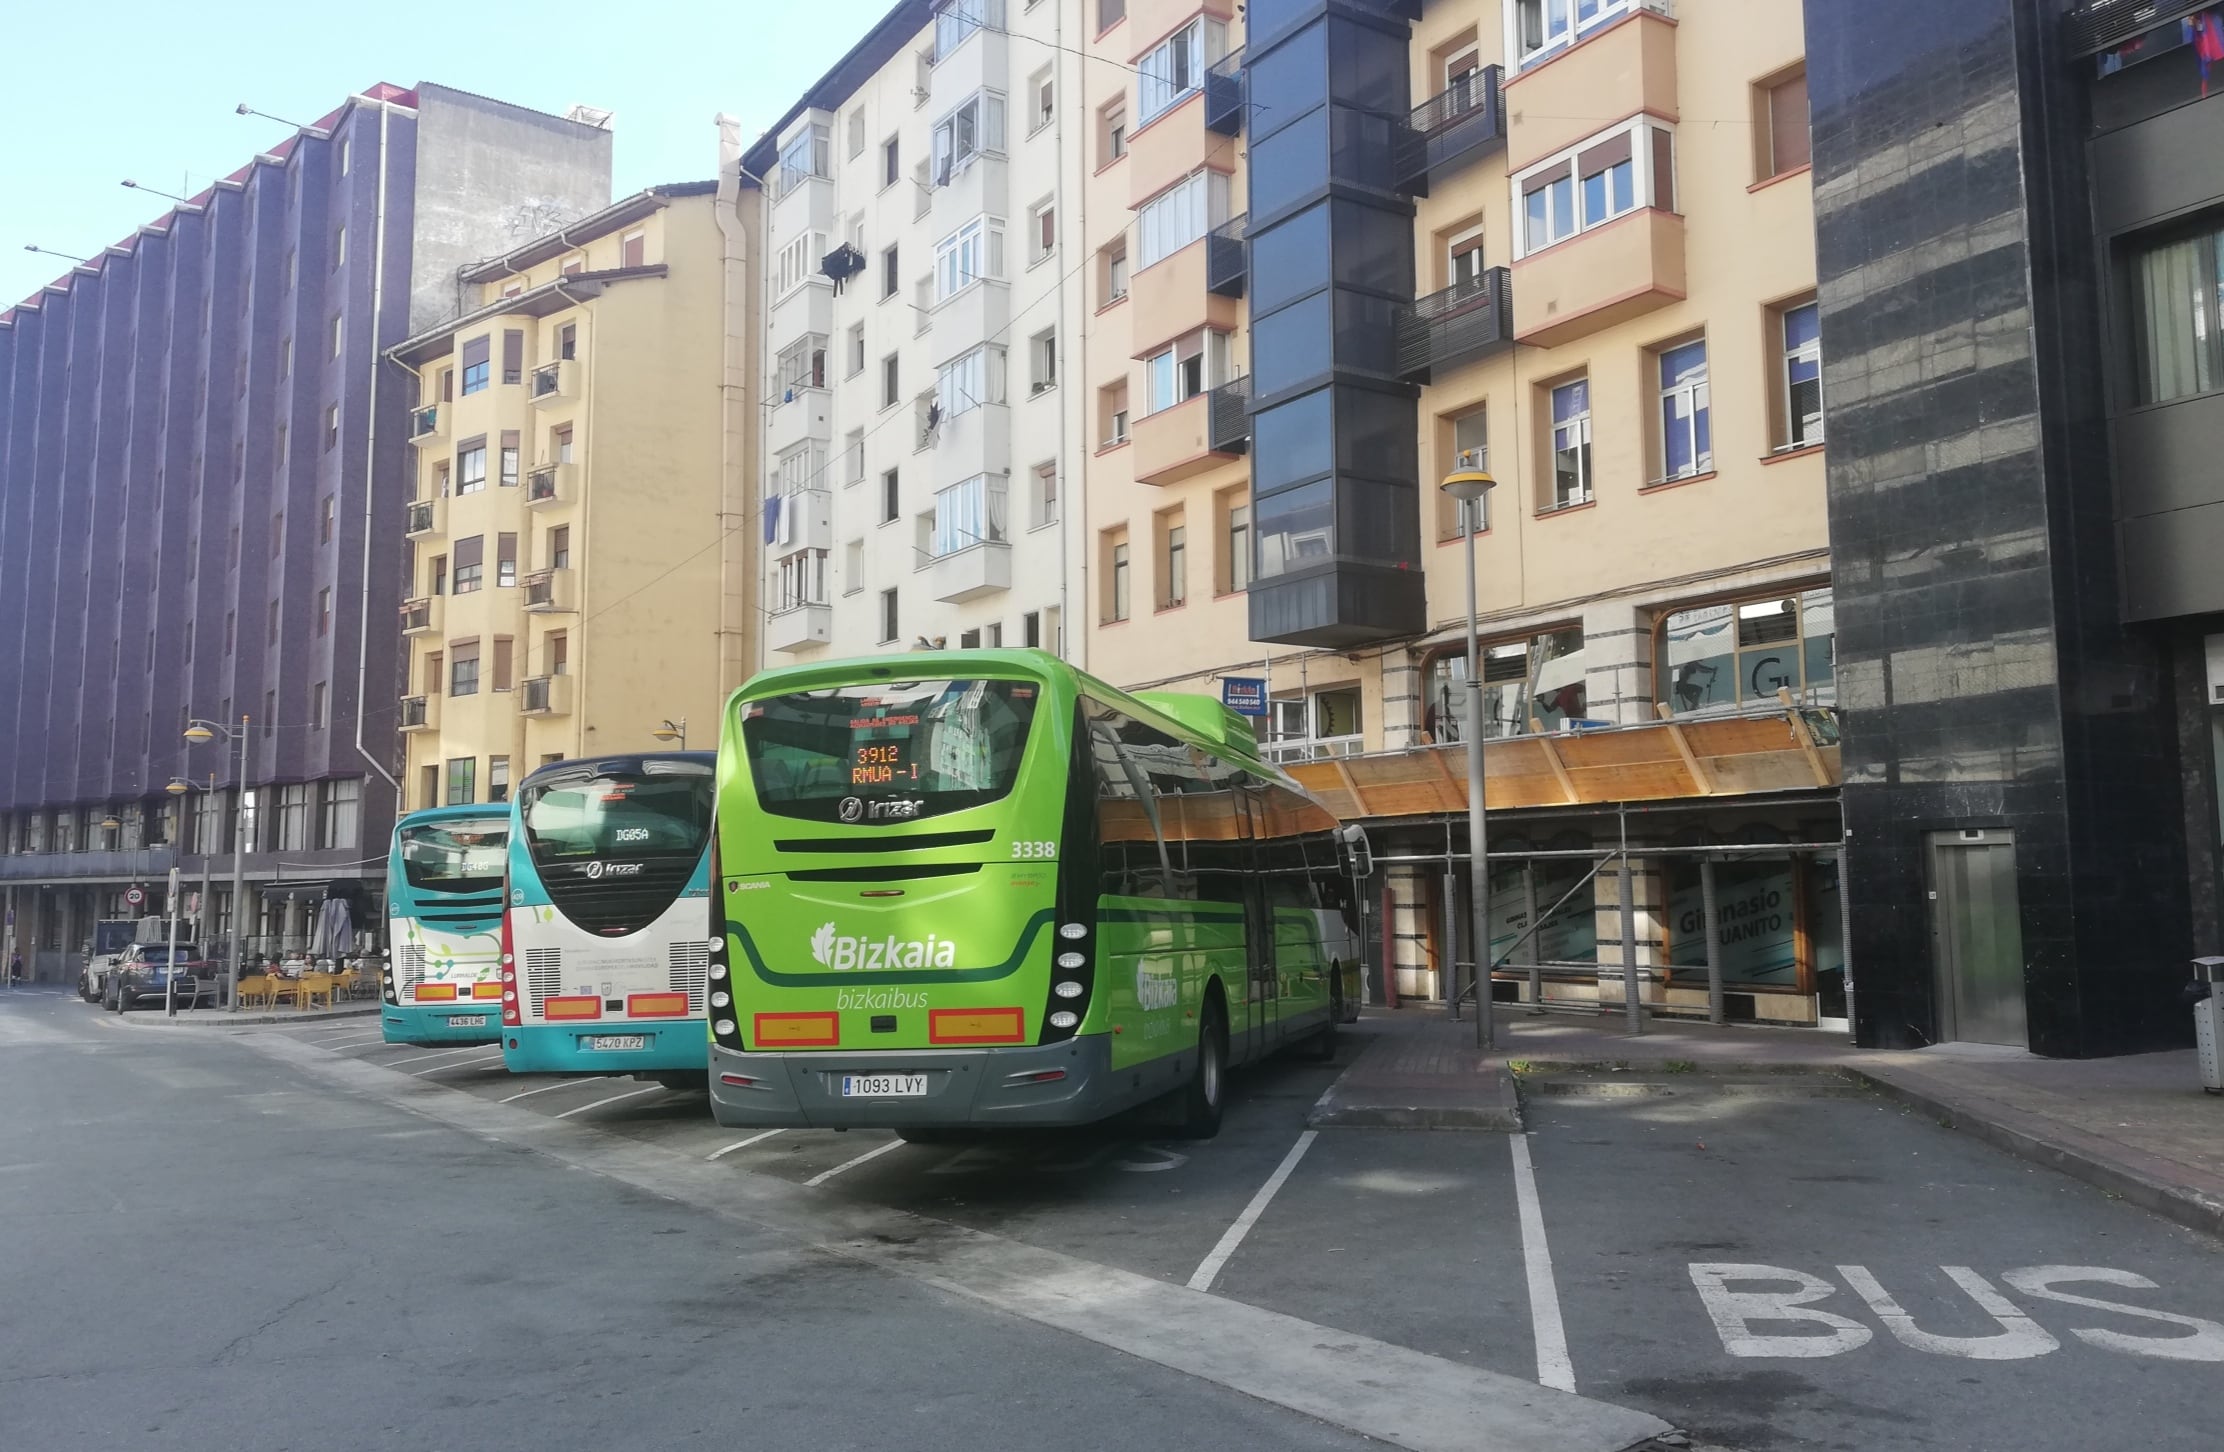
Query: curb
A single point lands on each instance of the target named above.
(2175, 1203)
(1415, 1107)
(243, 1020)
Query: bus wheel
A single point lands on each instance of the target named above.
(1208, 1081)
(1322, 1046)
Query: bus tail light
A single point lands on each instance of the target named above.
(797, 1030)
(511, 1017)
(585, 1005)
(656, 1005)
(976, 1026)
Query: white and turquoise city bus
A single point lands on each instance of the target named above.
(605, 962)
(443, 972)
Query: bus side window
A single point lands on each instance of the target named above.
(1127, 836)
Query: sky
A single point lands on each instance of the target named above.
(146, 89)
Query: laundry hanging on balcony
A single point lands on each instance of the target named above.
(772, 518)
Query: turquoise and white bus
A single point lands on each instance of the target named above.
(604, 961)
(442, 979)
(978, 888)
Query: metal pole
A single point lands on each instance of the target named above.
(201, 918)
(1845, 939)
(1478, 829)
(239, 845)
(1447, 957)
(170, 963)
(1529, 920)
(1714, 940)
(1632, 1012)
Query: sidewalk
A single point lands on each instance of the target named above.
(2138, 1126)
(217, 1018)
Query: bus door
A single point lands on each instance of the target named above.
(1262, 987)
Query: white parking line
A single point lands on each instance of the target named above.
(719, 1154)
(1554, 1369)
(613, 1099)
(546, 1088)
(1209, 1269)
(474, 1050)
(471, 1063)
(871, 1154)
(337, 1044)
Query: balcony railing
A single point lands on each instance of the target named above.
(1464, 321)
(2098, 25)
(1313, 748)
(420, 713)
(424, 518)
(1459, 123)
(545, 485)
(428, 425)
(1231, 417)
(549, 589)
(544, 695)
(550, 383)
(421, 615)
(1226, 92)
(1226, 265)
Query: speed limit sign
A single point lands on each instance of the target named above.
(133, 896)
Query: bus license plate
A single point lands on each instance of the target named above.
(467, 1020)
(618, 1041)
(884, 1086)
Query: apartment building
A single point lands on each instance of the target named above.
(579, 552)
(198, 443)
(918, 426)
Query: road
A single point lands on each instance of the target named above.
(302, 1238)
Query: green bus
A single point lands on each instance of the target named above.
(977, 888)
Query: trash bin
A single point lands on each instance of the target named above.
(2207, 993)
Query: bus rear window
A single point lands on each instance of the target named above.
(618, 817)
(888, 751)
(456, 856)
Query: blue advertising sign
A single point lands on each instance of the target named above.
(1244, 695)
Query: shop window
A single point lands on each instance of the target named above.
(1534, 683)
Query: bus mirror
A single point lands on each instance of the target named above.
(1359, 857)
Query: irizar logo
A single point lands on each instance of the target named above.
(1155, 990)
(845, 954)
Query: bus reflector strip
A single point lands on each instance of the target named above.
(436, 993)
(976, 1026)
(583, 1006)
(486, 990)
(656, 1005)
(799, 1030)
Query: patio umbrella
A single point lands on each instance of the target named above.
(336, 929)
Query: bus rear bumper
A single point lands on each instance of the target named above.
(672, 1046)
(408, 1024)
(1067, 1083)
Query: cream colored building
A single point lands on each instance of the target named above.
(582, 567)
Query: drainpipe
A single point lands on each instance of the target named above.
(370, 471)
(1073, 492)
(737, 576)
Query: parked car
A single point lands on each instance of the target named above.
(110, 937)
(144, 972)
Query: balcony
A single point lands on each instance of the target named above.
(1465, 321)
(977, 441)
(131, 864)
(1226, 94)
(422, 616)
(977, 313)
(1168, 300)
(553, 384)
(977, 570)
(1175, 443)
(1312, 748)
(544, 696)
(1555, 102)
(426, 517)
(981, 185)
(551, 591)
(428, 426)
(799, 628)
(1599, 278)
(1227, 266)
(805, 521)
(420, 713)
(550, 484)
(1460, 123)
(1231, 417)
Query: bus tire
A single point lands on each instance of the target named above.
(1208, 1081)
(1321, 1047)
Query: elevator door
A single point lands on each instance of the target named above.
(1977, 938)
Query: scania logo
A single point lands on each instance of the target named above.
(852, 809)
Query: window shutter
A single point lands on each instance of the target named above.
(470, 552)
(1664, 172)
(475, 351)
(502, 647)
(1607, 153)
(1787, 126)
(505, 549)
(1538, 181)
(513, 355)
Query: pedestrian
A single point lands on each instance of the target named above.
(15, 969)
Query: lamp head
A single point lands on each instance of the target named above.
(666, 732)
(1468, 485)
(199, 734)
(244, 109)
(110, 823)
(177, 786)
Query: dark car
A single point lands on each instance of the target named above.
(144, 972)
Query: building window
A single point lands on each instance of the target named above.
(1686, 441)
(1179, 216)
(343, 804)
(1727, 657)
(559, 547)
(470, 564)
(1111, 134)
(338, 331)
(327, 520)
(285, 356)
(889, 508)
(853, 567)
(1571, 443)
(1176, 66)
(471, 469)
(498, 778)
(478, 366)
(505, 560)
(803, 158)
(1235, 537)
(1800, 404)
(856, 133)
(1109, 14)
(799, 262)
(293, 817)
(974, 251)
(800, 580)
(889, 627)
(462, 790)
(1468, 448)
(513, 355)
(1042, 231)
(974, 129)
(969, 512)
(2180, 316)
(272, 639)
(1173, 587)
(316, 707)
(1538, 28)
(1112, 414)
(802, 364)
(856, 350)
(277, 534)
(1042, 361)
(1780, 140)
(331, 427)
(888, 274)
(1323, 724)
(505, 653)
(1042, 94)
(559, 440)
(559, 653)
(324, 612)
(573, 265)
(1044, 503)
(463, 669)
(1112, 276)
(958, 19)
(853, 457)
(1593, 183)
(969, 381)
(888, 381)
(1116, 599)
(891, 162)
(1530, 684)
(1187, 368)
(347, 149)
(509, 458)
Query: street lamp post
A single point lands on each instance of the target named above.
(673, 731)
(199, 732)
(1470, 487)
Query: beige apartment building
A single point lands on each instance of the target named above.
(582, 557)
(1609, 308)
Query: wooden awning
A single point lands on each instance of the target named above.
(1725, 756)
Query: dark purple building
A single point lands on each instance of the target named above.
(190, 424)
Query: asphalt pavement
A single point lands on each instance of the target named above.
(300, 1237)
